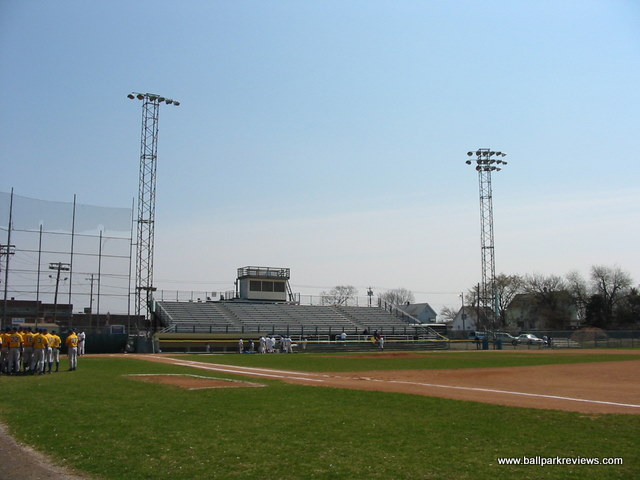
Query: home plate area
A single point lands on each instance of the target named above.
(192, 382)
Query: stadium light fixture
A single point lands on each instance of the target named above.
(152, 97)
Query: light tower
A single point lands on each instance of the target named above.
(147, 198)
(487, 161)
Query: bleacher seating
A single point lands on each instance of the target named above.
(275, 318)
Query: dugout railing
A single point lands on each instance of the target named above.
(229, 342)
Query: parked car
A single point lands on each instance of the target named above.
(503, 337)
(528, 339)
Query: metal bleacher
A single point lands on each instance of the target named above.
(230, 317)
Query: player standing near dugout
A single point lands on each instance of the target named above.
(81, 343)
(40, 344)
(15, 349)
(48, 352)
(72, 350)
(54, 343)
(27, 350)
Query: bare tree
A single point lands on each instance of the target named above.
(448, 313)
(550, 299)
(609, 285)
(339, 295)
(538, 283)
(398, 296)
(507, 287)
(628, 309)
(579, 292)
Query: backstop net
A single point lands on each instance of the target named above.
(66, 252)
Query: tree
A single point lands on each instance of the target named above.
(579, 291)
(339, 295)
(398, 296)
(448, 313)
(609, 287)
(628, 310)
(507, 287)
(551, 300)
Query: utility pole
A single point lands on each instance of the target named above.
(487, 161)
(147, 198)
(91, 279)
(59, 267)
(463, 315)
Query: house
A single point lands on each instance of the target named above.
(467, 320)
(543, 310)
(421, 311)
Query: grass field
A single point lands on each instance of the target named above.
(99, 421)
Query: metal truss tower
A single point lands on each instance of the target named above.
(487, 161)
(147, 199)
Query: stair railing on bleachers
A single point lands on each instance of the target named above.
(400, 313)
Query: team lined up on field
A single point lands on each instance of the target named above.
(27, 352)
(267, 345)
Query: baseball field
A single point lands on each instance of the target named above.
(392, 415)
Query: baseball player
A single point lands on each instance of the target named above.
(81, 341)
(48, 356)
(55, 342)
(27, 350)
(40, 344)
(72, 350)
(15, 349)
(4, 350)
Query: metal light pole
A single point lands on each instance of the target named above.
(487, 161)
(147, 198)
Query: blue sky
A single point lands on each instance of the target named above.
(330, 136)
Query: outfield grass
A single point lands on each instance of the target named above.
(101, 422)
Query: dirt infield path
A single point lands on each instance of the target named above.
(31, 465)
(603, 387)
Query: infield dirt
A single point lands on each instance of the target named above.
(598, 387)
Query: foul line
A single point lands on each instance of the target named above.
(261, 372)
(258, 372)
(508, 392)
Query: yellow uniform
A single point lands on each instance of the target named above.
(55, 341)
(27, 351)
(14, 340)
(72, 350)
(48, 357)
(40, 345)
